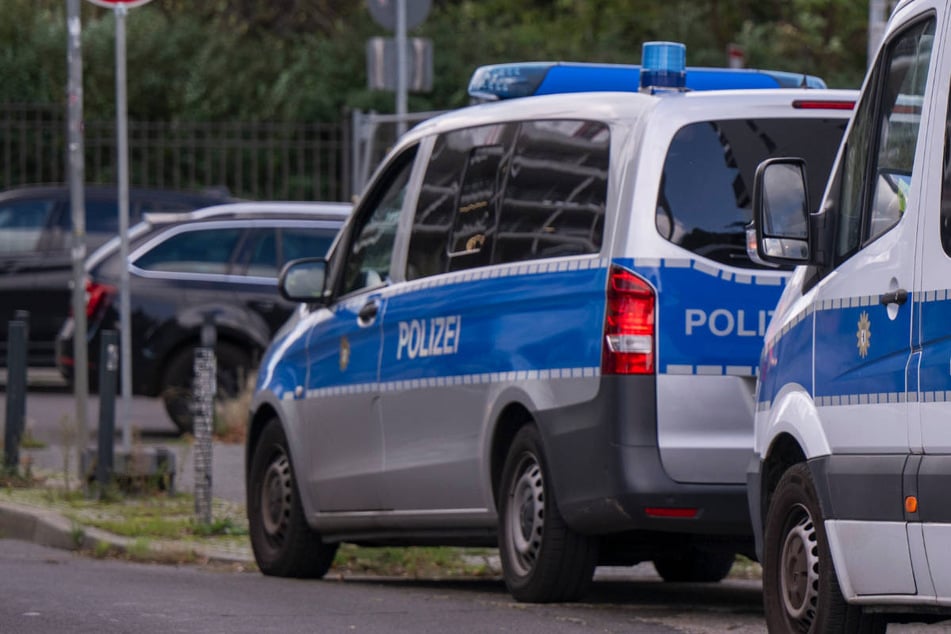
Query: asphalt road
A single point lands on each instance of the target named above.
(45, 590)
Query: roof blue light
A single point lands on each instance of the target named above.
(507, 81)
(663, 65)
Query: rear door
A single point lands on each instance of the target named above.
(496, 301)
(713, 302)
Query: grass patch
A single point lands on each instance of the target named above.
(415, 562)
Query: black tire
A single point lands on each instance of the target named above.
(801, 592)
(543, 560)
(284, 544)
(234, 368)
(695, 566)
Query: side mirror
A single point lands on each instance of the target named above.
(781, 212)
(304, 280)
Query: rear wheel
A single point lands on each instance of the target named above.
(543, 560)
(234, 368)
(284, 544)
(801, 592)
(695, 566)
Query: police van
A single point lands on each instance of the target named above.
(539, 330)
(849, 486)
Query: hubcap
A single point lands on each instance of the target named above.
(276, 497)
(799, 570)
(526, 515)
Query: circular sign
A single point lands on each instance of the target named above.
(384, 12)
(112, 4)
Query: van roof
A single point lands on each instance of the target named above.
(614, 106)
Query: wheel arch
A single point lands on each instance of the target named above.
(509, 422)
(784, 452)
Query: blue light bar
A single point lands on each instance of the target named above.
(507, 81)
(663, 65)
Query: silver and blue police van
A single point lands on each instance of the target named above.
(539, 330)
(850, 482)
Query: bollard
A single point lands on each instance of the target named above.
(203, 409)
(108, 369)
(16, 393)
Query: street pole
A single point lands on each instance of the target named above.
(401, 88)
(876, 27)
(122, 147)
(76, 169)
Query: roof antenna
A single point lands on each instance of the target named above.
(804, 83)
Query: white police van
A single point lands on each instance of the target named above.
(849, 487)
(539, 330)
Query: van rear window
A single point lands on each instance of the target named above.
(706, 191)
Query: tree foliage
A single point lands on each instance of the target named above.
(304, 60)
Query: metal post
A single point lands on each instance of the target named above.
(876, 27)
(76, 169)
(203, 410)
(16, 394)
(401, 88)
(109, 365)
(122, 147)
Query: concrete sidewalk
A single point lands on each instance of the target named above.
(46, 527)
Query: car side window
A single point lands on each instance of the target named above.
(876, 172)
(370, 248)
(205, 251)
(21, 225)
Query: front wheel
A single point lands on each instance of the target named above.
(284, 544)
(543, 560)
(801, 592)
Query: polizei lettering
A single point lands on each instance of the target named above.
(429, 337)
(724, 323)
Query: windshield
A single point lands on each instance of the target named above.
(706, 191)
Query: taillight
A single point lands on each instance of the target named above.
(628, 325)
(97, 296)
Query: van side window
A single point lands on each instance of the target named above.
(555, 191)
(473, 229)
(458, 201)
(880, 152)
(370, 248)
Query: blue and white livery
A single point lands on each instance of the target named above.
(541, 331)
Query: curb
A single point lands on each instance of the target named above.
(48, 528)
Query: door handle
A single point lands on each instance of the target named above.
(368, 312)
(898, 296)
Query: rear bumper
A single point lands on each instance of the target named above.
(608, 475)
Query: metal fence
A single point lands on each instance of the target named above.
(255, 160)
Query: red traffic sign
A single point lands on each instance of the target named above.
(112, 4)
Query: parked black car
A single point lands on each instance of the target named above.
(221, 261)
(35, 256)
